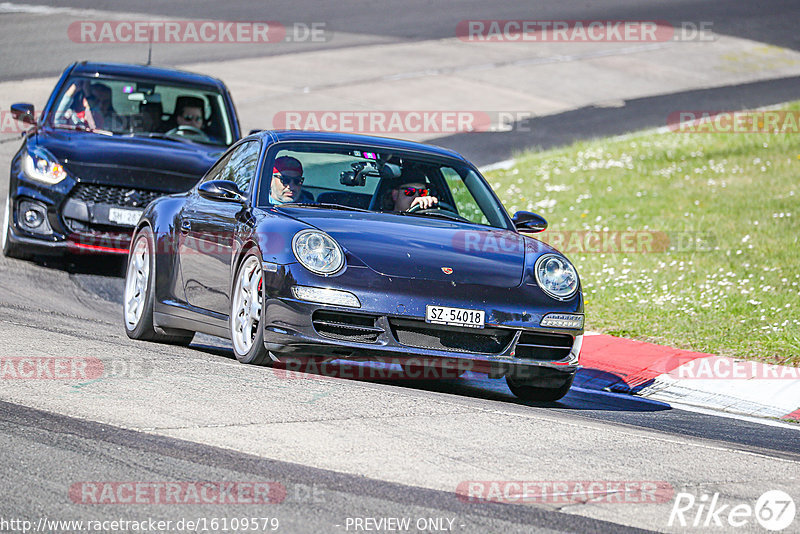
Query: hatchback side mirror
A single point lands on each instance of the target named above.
(527, 222)
(23, 112)
(222, 191)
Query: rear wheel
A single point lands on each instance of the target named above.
(245, 317)
(529, 391)
(140, 283)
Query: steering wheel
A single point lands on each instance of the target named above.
(438, 206)
(188, 131)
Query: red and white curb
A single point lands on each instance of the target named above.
(691, 378)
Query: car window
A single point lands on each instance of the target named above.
(358, 177)
(467, 205)
(241, 165)
(139, 107)
(215, 173)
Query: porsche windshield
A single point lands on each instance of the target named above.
(361, 178)
(135, 107)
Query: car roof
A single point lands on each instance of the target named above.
(369, 140)
(146, 72)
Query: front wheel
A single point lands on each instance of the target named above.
(529, 391)
(9, 249)
(140, 283)
(245, 316)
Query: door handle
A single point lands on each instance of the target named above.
(186, 226)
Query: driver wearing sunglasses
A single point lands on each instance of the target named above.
(287, 181)
(189, 112)
(413, 193)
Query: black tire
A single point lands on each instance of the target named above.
(257, 353)
(529, 391)
(142, 329)
(9, 249)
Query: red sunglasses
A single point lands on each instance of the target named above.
(411, 191)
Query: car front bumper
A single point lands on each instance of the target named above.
(71, 226)
(296, 329)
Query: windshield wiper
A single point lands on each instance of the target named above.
(65, 126)
(159, 135)
(321, 205)
(441, 214)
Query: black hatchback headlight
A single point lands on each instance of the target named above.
(40, 165)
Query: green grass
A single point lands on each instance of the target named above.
(738, 292)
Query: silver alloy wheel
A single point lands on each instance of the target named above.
(246, 309)
(6, 223)
(137, 282)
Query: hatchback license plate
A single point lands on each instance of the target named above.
(454, 316)
(124, 217)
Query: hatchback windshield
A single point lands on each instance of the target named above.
(136, 107)
(361, 178)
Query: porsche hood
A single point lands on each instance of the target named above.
(426, 248)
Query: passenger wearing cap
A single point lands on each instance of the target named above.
(287, 181)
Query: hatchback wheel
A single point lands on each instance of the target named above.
(9, 250)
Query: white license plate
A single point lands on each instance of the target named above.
(124, 217)
(454, 316)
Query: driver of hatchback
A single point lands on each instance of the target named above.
(189, 112)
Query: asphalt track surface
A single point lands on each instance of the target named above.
(354, 23)
(44, 451)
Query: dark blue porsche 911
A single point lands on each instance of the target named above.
(332, 246)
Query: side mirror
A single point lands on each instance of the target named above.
(222, 191)
(527, 222)
(23, 112)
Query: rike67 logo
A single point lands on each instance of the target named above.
(774, 510)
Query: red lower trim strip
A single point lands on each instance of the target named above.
(102, 249)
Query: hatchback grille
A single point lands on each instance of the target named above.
(346, 326)
(427, 336)
(543, 346)
(116, 196)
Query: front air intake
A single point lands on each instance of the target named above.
(346, 326)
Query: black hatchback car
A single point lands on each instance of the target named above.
(111, 138)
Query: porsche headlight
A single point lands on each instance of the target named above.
(318, 252)
(41, 165)
(556, 276)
